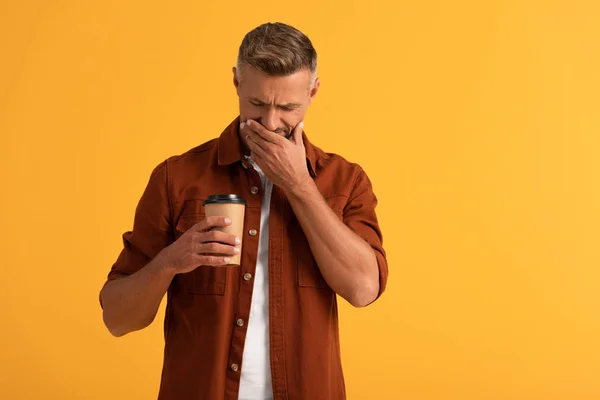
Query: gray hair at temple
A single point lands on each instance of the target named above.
(278, 49)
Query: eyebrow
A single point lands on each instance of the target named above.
(288, 105)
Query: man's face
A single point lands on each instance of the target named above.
(278, 103)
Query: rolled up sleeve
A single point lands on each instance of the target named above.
(360, 216)
(152, 228)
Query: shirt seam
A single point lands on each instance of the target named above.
(360, 172)
(169, 197)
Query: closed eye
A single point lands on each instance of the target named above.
(284, 107)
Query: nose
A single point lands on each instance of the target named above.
(270, 118)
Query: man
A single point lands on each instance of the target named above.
(267, 329)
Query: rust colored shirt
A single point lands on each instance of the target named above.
(203, 340)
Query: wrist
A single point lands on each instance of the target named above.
(161, 266)
(303, 188)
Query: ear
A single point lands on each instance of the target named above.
(236, 81)
(314, 90)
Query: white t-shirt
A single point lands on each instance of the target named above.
(255, 380)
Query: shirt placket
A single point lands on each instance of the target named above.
(276, 294)
(250, 182)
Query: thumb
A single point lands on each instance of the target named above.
(297, 134)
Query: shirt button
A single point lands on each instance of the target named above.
(240, 322)
(247, 276)
(252, 232)
(235, 367)
(254, 190)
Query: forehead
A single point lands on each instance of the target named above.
(255, 83)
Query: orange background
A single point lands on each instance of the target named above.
(477, 121)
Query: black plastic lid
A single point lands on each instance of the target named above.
(224, 198)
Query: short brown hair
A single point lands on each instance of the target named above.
(277, 49)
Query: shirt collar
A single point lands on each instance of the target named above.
(230, 147)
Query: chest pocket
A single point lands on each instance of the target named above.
(308, 272)
(204, 279)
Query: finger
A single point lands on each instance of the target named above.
(297, 134)
(212, 260)
(252, 137)
(259, 159)
(220, 237)
(254, 144)
(214, 248)
(212, 222)
(263, 132)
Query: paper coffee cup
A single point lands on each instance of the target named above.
(232, 206)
